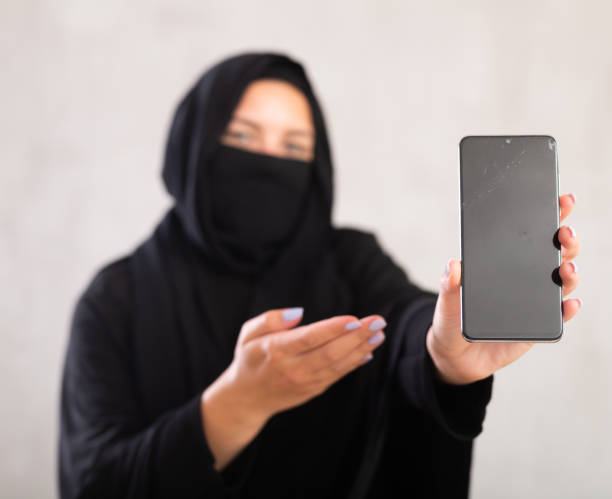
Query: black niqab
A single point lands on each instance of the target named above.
(155, 328)
(257, 202)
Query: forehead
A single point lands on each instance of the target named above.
(275, 102)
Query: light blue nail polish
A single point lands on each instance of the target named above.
(378, 324)
(293, 313)
(351, 326)
(375, 339)
(367, 356)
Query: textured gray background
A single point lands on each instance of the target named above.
(87, 92)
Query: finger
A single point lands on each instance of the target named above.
(570, 242)
(342, 346)
(570, 308)
(313, 335)
(447, 314)
(270, 321)
(450, 284)
(566, 205)
(569, 277)
(360, 355)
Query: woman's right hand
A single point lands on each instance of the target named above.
(278, 366)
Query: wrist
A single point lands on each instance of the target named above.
(443, 370)
(227, 422)
(225, 400)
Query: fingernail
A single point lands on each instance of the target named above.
(290, 314)
(367, 356)
(573, 197)
(575, 265)
(579, 302)
(447, 268)
(352, 325)
(375, 339)
(572, 231)
(377, 324)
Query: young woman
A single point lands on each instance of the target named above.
(249, 348)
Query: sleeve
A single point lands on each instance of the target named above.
(383, 287)
(105, 447)
(459, 409)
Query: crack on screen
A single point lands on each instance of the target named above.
(500, 175)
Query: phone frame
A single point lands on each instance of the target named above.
(461, 242)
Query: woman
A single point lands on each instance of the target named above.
(248, 348)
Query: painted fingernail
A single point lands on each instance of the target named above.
(575, 265)
(290, 314)
(447, 268)
(573, 197)
(375, 339)
(367, 356)
(352, 325)
(377, 324)
(573, 232)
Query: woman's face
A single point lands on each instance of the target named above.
(273, 117)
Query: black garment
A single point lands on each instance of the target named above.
(256, 201)
(153, 329)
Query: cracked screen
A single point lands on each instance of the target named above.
(509, 218)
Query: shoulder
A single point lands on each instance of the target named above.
(111, 281)
(367, 264)
(346, 236)
(358, 249)
(106, 299)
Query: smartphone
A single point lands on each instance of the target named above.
(510, 252)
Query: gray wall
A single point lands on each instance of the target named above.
(87, 92)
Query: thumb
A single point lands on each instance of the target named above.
(448, 307)
(270, 321)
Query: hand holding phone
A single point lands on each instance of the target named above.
(502, 212)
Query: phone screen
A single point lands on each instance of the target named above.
(509, 190)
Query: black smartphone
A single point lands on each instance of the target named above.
(510, 252)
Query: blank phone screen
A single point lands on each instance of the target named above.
(509, 189)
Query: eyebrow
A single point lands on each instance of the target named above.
(253, 124)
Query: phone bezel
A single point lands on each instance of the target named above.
(471, 339)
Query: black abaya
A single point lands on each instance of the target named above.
(153, 329)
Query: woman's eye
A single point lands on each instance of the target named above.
(241, 136)
(295, 147)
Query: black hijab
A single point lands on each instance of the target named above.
(192, 296)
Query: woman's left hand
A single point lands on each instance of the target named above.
(459, 361)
